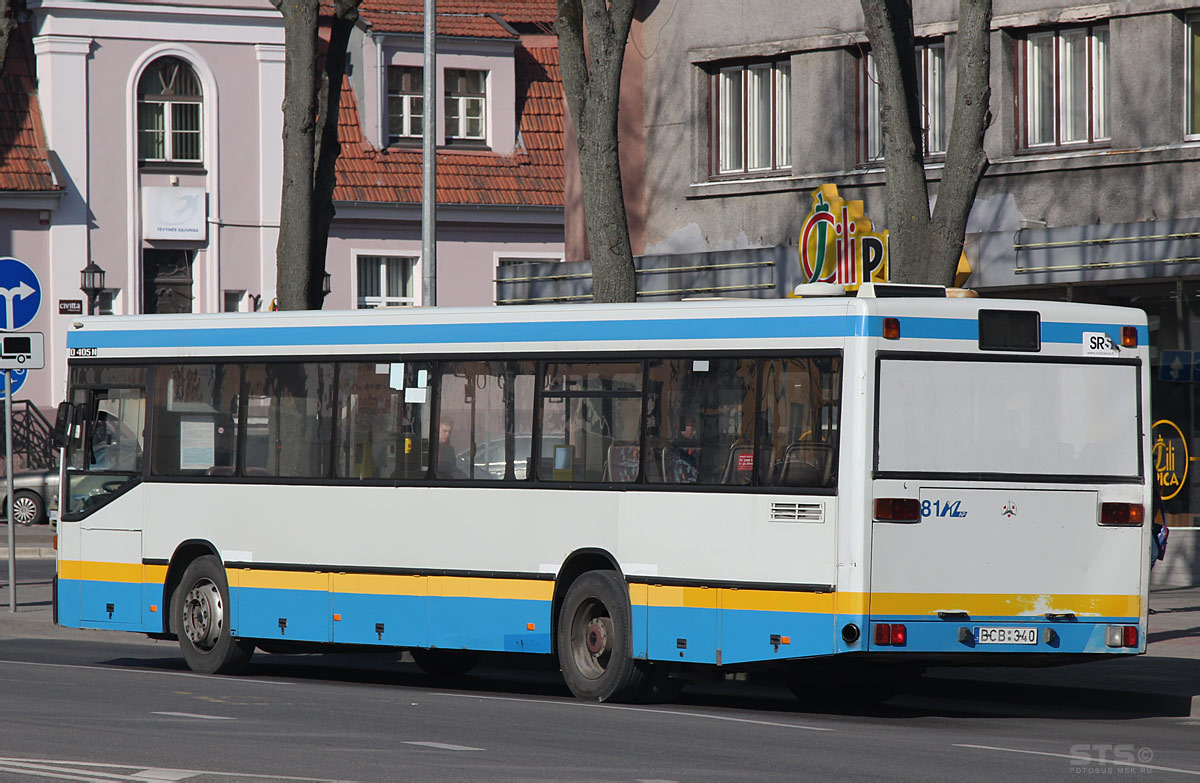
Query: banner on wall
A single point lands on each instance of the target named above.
(838, 243)
(173, 213)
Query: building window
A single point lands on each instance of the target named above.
(752, 121)
(466, 102)
(405, 112)
(385, 281)
(169, 113)
(931, 71)
(233, 301)
(1066, 87)
(1193, 76)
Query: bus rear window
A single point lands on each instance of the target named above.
(1028, 420)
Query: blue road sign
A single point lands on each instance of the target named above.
(1175, 366)
(18, 380)
(22, 294)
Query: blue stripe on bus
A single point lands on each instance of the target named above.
(768, 327)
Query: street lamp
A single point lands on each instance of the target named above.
(91, 282)
(326, 285)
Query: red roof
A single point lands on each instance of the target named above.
(530, 175)
(458, 18)
(24, 161)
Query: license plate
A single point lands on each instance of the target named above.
(1008, 635)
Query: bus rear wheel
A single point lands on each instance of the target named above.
(200, 612)
(594, 644)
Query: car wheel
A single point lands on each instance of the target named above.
(594, 640)
(200, 612)
(28, 508)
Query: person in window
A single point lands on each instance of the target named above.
(686, 469)
(448, 464)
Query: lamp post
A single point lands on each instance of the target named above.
(91, 282)
(326, 286)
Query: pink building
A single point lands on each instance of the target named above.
(146, 137)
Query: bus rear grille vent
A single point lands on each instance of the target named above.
(797, 512)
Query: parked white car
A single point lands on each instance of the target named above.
(35, 493)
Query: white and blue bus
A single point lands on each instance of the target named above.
(646, 491)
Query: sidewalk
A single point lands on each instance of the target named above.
(31, 541)
(1164, 681)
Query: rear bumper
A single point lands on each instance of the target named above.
(1052, 638)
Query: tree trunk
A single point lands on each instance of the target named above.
(8, 23)
(327, 145)
(310, 147)
(592, 82)
(922, 249)
(293, 270)
(966, 161)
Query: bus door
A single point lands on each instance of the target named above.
(1009, 497)
(103, 462)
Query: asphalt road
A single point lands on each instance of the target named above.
(119, 707)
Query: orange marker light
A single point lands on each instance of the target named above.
(337, 618)
(530, 626)
(891, 328)
(785, 639)
(153, 608)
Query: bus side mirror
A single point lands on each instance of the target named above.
(62, 424)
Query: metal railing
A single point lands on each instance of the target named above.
(32, 437)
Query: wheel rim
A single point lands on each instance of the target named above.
(25, 510)
(592, 639)
(203, 615)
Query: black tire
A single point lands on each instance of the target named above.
(28, 508)
(445, 664)
(594, 641)
(200, 617)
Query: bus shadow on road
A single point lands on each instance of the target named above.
(938, 694)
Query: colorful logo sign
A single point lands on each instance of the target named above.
(837, 244)
(1170, 453)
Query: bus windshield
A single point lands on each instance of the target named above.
(1030, 419)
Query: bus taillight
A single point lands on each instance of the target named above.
(1132, 514)
(1121, 636)
(891, 634)
(897, 510)
(1129, 337)
(891, 328)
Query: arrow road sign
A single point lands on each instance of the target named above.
(18, 380)
(22, 293)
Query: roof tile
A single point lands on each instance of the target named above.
(24, 160)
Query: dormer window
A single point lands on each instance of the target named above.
(169, 113)
(405, 112)
(466, 105)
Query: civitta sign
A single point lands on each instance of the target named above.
(838, 243)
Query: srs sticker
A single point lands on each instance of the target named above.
(942, 508)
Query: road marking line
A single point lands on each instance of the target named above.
(1088, 759)
(193, 715)
(240, 680)
(58, 768)
(640, 709)
(441, 746)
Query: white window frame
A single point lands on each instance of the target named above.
(532, 255)
(1096, 84)
(407, 113)
(724, 145)
(166, 107)
(462, 102)
(1191, 64)
(931, 61)
(386, 299)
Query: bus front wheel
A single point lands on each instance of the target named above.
(200, 608)
(594, 644)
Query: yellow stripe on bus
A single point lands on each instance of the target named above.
(92, 571)
(1001, 604)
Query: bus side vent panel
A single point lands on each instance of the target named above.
(797, 512)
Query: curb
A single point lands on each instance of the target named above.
(32, 552)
